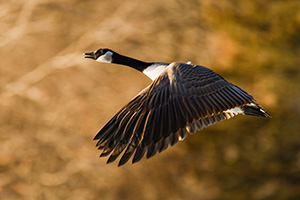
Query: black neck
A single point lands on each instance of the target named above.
(131, 62)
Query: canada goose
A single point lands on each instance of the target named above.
(183, 98)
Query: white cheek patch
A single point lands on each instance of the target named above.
(106, 58)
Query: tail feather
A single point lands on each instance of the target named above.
(255, 110)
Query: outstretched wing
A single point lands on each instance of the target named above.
(183, 99)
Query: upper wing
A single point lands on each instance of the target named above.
(184, 98)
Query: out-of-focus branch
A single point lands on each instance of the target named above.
(21, 24)
(108, 29)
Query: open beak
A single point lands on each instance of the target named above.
(89, 55)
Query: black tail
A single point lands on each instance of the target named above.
(255, 110)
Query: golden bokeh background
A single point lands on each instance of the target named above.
(53, 101)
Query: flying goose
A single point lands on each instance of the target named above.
(183, 98)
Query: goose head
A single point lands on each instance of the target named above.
(101, 55)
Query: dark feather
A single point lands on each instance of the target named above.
(164, 144)
(149, 129)
(152, 149)
(185, 98)
(140, 152)
(182, 134)
(173, 138)
(129, 151)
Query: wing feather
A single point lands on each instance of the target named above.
(183, 99)
(140, 152)
(152, 149)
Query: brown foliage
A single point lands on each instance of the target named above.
(53, 101)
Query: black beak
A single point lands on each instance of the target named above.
(90, 55)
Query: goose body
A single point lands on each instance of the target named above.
(183, 98)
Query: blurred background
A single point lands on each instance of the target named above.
(53, 101)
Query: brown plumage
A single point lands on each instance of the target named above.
(182, 99)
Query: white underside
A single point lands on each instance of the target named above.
(153, 71)
(235, 111)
